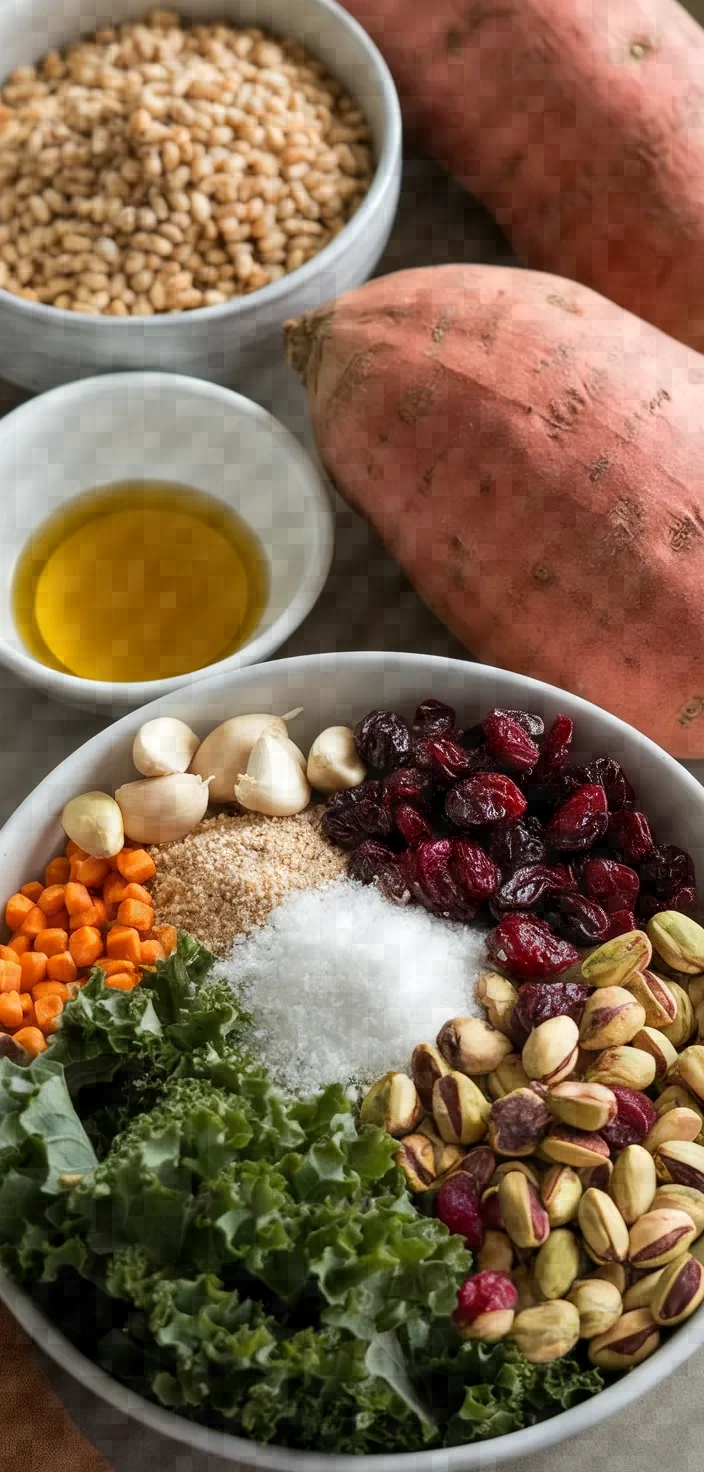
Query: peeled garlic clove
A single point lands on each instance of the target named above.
(334, 763)
(164, 746)
(93, 820)
(274, 782)
(161, 809)
(224, 754)
(295, 752)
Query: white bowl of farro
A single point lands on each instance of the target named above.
(172, 190)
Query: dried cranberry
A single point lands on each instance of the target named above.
(528, 886)
(614, 885)
(508, 742)
(483, 1293)
(611, 776)
(374, 863)
(635, 1117)
(352, 816)
(621, 922)
(407, 784)
(457, 1205)
(630, 832)
(427, 873)
(684, 900)
(580, 920)
(411, 824)
(450, 761)
(532, 723)
(433, 718)
(540, 1000)
(666, 870)
(579, 821)
(517, 844)
(526, 947)
(383, 740)
(473, 870)
(490, 797)
(556, 750)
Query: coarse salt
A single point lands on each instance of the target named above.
(342, 984)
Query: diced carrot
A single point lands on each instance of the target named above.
(47, 1011)
(52, 989)
(33, 923)
(92, 872)
(52, 942)
(123, 981)
(136, 865)
(124, 943)
(11, 1014)
(112, 964)
(138, 892)
(167, 935)
(32, 890)
(136, 915)
(85, 945)
(10, 976)
(33, 967)
(150, 952)
(74, 852)
(96, 914)
(32, 1040)
(114, 889)
(76, 898)
(61, 919)
(20, 944)
(27, 1007)
(7, 954)
(17, 909)
(52, 898)
(62, 968)
(57, 872)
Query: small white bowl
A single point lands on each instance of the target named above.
(41, 346)
(163, 427)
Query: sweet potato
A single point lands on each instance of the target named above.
(534, 458)
(579, 123)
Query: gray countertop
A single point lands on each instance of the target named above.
(367, 603)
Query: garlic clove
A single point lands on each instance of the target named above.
(93, 820)
(334, 764)
(164, 746)
(295, 751)
(161, 809)
(274, 783)
(224, 754)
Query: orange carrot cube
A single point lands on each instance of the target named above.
(136, 915)
(124, 943)
(96, 914)
(47, 1011)
(138, 892)
(7, 954)
(52, 989)
(32, 890)
(52, 942)
(74, 852)
(62, 967)
(167, 935)
(76, 898)
(33, 967)
(85, 945)
(114, 889)
(20, 944)
(91, 872)
(33, 923)
(27, 1008)
(32, 1040)
(136, 865)
(150, 952)
(123, 981)
(57, 872)
(11, 1014)
(112, 964)
(51, 899)
(10, 975)
(17, 909)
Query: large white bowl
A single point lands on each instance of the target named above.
(43, 346)
(334, 688)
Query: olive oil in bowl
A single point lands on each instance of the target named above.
(139, 581)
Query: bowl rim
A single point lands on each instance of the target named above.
(247, 1454)
(355, 228)
(318, 550)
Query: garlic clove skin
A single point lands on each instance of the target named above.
(334, 764)
(274, 783)
(162, 809)
(224, 754)
(93, 820)
(164, 746)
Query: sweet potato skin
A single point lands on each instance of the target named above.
(534, 458)
(580, 125)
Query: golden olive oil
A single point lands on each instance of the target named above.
(139, 581)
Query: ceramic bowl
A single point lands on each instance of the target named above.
(43, 346)
(332, 689)
(163, 427)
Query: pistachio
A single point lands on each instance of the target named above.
(471, 1045)
(523, 1215)
(526, 1287)
(546, 1332)
(625, 1066)
(615, 962)
(679, 1292)
(392, 1102)
(446, 1157)
(611, 1017)
(460, 1110)
(499, 998)
(598, 1175)
(496, 1253)
(676, 1096)
(598, 1304)
(560, 1193)
(655, 996)
(681, 1161)
(689, 1069)
(573, 1147)
(631, 1339)
(557, 1264)
(517, 1123)
(550, 1053)
(695, 988)
(507, 1076)
(584, 1106)
(682, 1198)
(641, 1291)
(651, 1040)
(679, 940)
(427, 1065)
(522, 1166)
(676, 1124)
(616, 1273)
(633, 1183)
(480, 1164)
(416, 1158)
(659, 1236)
(680, 1030)
(604, 1231)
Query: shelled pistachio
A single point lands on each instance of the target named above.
(546, 1332)
(598, 1304)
